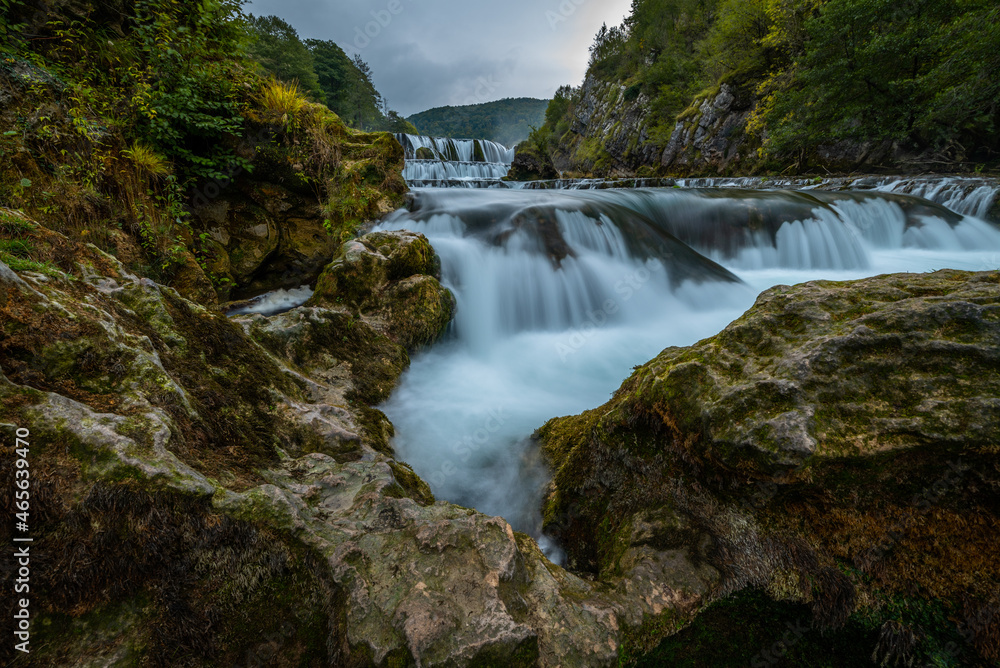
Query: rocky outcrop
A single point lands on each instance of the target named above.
(271, 228)
(213, 491)
(836, 446)
(711, 134)
(391, 278)
(530, 164)
(273, 218)
(611, 137)
(609, 132)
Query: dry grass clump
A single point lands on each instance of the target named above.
(147, 162)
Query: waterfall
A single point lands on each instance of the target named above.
(561, 292)
(444, 162)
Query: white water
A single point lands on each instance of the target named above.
(533, 340)
(455, 161)
(436, 170)
(272, 303)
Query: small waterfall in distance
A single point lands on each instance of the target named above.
(446, 162)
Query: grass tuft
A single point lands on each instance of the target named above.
(147, 161)
(281, 102)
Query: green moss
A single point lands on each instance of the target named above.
(740, 629)
(410, 484)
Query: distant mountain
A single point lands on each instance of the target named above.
(506, 121)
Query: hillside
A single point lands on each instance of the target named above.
(324, 72)
(152, 134)
(506, 121)
(725, 86)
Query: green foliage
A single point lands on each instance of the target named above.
(347, 85)
(323, 72)
(276, 46)
(11, 25)
(507, 121)
(921, 73)
(194, 99)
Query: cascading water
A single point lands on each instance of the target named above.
(444, 162)
(560, 293)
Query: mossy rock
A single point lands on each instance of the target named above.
(477, 152)
(392, 277)
(424, 153)
(353, 278)
(408, 253)
(825, 442)
(417, 310)
(530, 164)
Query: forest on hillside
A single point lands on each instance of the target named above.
(506, 121)
(324, 72)
(922, 75)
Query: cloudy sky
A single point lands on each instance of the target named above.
(430, 53)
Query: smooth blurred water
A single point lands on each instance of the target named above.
(535, 337)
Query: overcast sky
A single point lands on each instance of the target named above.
(430, 53)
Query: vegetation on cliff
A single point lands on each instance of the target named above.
(887, 82)
(324, 72)
(507, 121)
(146, 129)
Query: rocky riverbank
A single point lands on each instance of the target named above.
(223, 491)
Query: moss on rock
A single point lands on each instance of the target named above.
(389, 277)
(808, 440)
(530, 164)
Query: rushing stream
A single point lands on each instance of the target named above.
(562, 291)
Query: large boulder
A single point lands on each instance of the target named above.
(836, 446)
(531, 164)
(392, 278)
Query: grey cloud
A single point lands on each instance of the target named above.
(426, 54)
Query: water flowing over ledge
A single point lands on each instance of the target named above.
(561, 292)
(442, 162)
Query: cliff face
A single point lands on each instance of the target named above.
(609, 133)
(611, 137)
(711, 135)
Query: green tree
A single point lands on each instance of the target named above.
(276, 46)
(194, 94)
(915, 72)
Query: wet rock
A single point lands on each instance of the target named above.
(530, 164)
